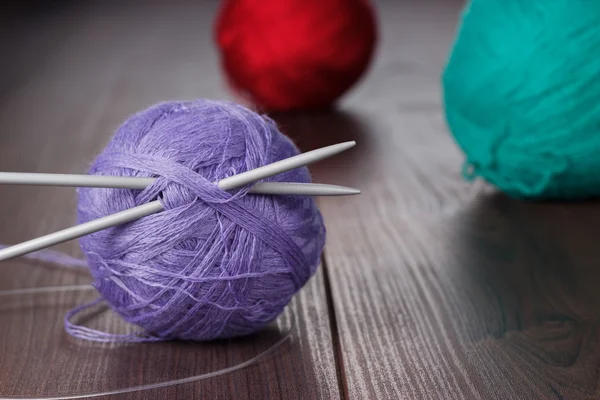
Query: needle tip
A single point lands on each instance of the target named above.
(345, 191)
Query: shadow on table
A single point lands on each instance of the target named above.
(533, 274)
(312, 130)
(545, 254)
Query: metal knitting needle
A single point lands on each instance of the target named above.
(156, 206)
(126, 182)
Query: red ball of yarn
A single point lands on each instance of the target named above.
(286, 55)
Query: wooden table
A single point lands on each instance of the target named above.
(430, 287)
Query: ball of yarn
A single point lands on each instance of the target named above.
(214, 264)
(285, 55)
(521, 93)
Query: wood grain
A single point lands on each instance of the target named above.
(444, 289)
(73, 72)
(432, 287)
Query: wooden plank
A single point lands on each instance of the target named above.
(441, 288)
(68, 90)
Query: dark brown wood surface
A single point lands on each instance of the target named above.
(71, 75)
(444, 289)
(431, 287)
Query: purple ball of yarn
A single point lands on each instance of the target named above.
(214, 264)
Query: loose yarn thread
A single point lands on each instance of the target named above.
(71, 262)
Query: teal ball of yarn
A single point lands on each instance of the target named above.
(521, 93)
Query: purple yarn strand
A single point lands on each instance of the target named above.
(94, 335)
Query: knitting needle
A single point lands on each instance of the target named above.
(125, 182)
(144, 210)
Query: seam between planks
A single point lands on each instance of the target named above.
(335, 337)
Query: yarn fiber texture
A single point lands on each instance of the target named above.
(521, 91)
(288, 55)
(214, 264)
